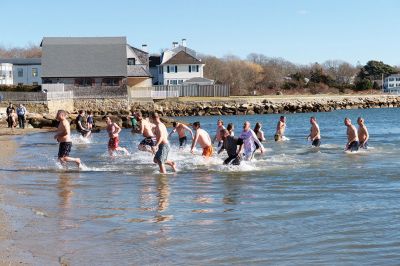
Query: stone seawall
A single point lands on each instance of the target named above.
(275, 105)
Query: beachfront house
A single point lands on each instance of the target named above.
(391, 84)
(94, 62)
(179, 65)
(20, 71)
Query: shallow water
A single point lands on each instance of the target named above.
(292, 205)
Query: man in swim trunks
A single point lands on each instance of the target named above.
(161, 156)
(85, 132)
(280, 129)
(113, 133)
(352, 136)
(146, 128)
(230, 144)
(218, 137)
(249, 142)
(180, 129)
(315, 135)
(203, 139)
(363, 135)
(63, 136)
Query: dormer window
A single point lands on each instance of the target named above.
(131, 61)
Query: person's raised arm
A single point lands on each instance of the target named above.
(172, 132)
(196, 137)
(188, 129)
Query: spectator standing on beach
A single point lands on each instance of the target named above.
(21, 113)
(9, 111)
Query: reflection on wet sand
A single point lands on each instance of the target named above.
(65, 193)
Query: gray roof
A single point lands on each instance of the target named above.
(21, 61)
(84, 57)
(138, 71)
(199, 80)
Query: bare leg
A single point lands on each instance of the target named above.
(161, 165)
(172, 164)
(70, 159)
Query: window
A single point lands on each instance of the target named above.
(172, 69)
(397, 79)
(397, 84)
(193, 68)
(160, 69)
(172, 82)
(110, 82)
(85, 82)
(20, 72)
(34, 72)
(391, 79)
(391, 85)
(180, 81)
(131, 61)
(10, 74)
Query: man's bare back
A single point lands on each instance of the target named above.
(362, 133)
(146, 128)
(161, 133)
(203, 138)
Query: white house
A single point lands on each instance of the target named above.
(178, 65)
(392, 83)
(6, 74)
(25, 71)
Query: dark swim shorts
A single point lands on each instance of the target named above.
(182, 141)
(64, 149)
(353, 146)
(149, 141)
(316, 142)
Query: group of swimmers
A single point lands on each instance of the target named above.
(237, 148)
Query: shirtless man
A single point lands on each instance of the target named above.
(352, 137)
(315, 134)
(113, 133)
(250, 140)
(63, 136)
(161, 156)
(180, 129)
(280, 129)
(218, 137)
(146, 128)
(363, 134)
(203, 139)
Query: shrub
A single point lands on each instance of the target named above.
(25, 88)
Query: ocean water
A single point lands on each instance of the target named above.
(292, 205)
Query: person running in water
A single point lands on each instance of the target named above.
(218, 137)
(363, 135)
(161, 156)
(230, 144)
(203, 138)
(79, 125)
(231, 128)
(180, 129)
(352, 136)
(280, 129)
(315, 134)
(249, 142)
(63, 136)
(259, 134)
(113, 133)
(146, 128)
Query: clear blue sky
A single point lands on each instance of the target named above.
(302, 31)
